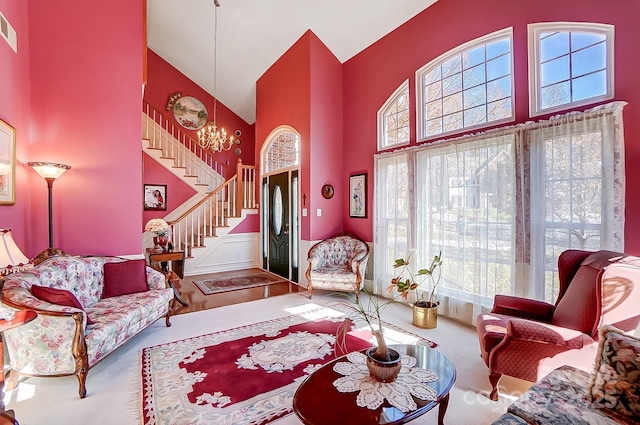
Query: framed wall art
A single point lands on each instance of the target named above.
(155, 197)
(358, 195)
(7, 164)
(190, 113)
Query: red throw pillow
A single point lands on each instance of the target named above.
(57, 296)
(126, 277)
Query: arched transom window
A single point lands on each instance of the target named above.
(283, 151)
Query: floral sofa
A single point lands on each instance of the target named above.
(66, 340)
(337, 263)
(571, 396)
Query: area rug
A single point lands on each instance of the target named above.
(224, 284)
(247, 375)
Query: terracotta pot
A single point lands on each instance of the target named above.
(425, 317)
(383, 371)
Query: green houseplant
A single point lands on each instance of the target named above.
(425, 311)
(384, 363)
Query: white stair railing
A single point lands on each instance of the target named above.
(186, 152)
(228, 200)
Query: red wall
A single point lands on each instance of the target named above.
(371, 76)
(283, 97)
(303, 89)
(163, 80)
(177, 191)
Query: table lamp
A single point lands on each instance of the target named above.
(11, 260)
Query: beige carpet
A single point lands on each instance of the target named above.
(112, 386)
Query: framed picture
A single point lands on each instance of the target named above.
(190, 113)
(7, 164)
(358, 195)
(155, 197)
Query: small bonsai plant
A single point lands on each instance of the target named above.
(406, 281)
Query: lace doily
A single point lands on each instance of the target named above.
(410, 381)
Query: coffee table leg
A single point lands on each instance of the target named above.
(444, 403)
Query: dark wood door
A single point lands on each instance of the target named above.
(279, 224)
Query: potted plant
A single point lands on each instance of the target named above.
(425, 311)
(384, 363)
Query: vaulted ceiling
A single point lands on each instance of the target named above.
(253, 34)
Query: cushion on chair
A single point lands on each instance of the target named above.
(615, 384)
(57, 296)
(123, 278)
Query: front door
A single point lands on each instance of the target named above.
(279, 224)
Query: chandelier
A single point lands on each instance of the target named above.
(209, 137)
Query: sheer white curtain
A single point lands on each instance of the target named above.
(501, 206)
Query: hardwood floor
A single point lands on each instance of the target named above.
(199, 301)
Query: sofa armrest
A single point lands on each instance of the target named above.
(156, 279)
(22, 299)
(523, 307)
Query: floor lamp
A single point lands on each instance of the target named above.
(50, 172)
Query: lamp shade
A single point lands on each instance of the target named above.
(10, 255)
(49, 169)
(157, 225)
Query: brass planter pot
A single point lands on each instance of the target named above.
(425, 317)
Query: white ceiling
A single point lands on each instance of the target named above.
(253, 34)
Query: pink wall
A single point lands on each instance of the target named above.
(303, 89)
(81, 81)
(283, 98)
(163, 80)
(177, 191)
(15, 111)
(371, 76)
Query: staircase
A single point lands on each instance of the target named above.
(221, 202)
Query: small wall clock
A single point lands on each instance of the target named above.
(327, 191)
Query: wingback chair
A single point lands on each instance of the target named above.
(527, 339)
(337, 263)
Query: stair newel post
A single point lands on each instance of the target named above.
(239, 188)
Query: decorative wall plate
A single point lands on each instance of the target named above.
(238, 133)
(190, 113)
(327, 191)
(238, 151)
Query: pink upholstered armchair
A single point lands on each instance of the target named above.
(337, 263)
(527, 339)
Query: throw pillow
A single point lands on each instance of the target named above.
(57, 296)
(125, 277)
(615, 384)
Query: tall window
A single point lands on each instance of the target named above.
(393, 119)
(502, 205)
(469, 87)
(570, 64)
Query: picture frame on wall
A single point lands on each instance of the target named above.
(155, 197)
(358, 195)
(7, 164)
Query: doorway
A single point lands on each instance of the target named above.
(279, 224)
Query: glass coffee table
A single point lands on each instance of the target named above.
(318, 402)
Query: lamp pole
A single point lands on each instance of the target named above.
(50, 171)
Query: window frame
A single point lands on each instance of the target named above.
(533, 48)
(382, 112)
(469, 45)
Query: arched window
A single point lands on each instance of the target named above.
(470, 86)
(283, 150)
(393, 119)
(570, 64)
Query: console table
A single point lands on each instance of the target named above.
(317, 402)
(21, 317)
(159, 260)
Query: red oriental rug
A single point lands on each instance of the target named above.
(246, 375)
(225, 284)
